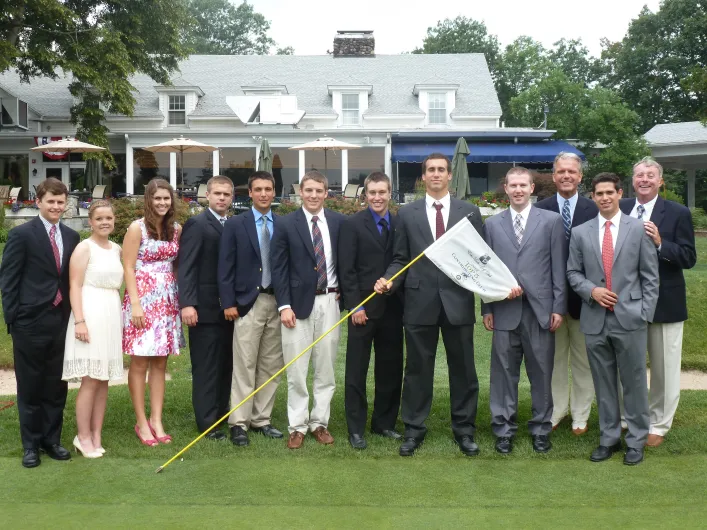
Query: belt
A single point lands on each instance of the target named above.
(266, 290)
(326, 291)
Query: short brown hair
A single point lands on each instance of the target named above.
(51, 185)
(436, 156)
(376, 176)
(262, 175)
(100, 203)
(606, 177)
(519, 170)
(218, 179)
(316, 176)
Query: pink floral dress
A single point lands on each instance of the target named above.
(157, 289)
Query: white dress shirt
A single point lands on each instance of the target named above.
(430, 202)
(573, 203)
(332, 280)
(524, 213)
(649, 209)
(220, 218)
(57, 237)
(615, 221)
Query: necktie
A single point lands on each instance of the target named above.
(439, 224)
(319, 254)
(223, 221)
(640, 210)
(384, 231)
(567, 218)
(607, 253)
(55, 249)
(518, 227)
(265, 252)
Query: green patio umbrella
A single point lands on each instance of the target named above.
(460, 187)
(265, 157)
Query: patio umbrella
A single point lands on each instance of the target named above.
(94, 173)
(68, 145)
(325, 144)
(181, 145)
(265, 157)
(460, 186)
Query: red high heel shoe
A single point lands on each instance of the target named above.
(150, 443)
(164, 439)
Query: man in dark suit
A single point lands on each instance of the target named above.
(669, 225)
(570, 350)
(306, 281)
(210, 334)
(247, 295)
(34, 281)
(365, 252)
(433, 302)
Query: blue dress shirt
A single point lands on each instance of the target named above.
(259, 223)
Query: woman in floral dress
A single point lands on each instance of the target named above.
(152, 327)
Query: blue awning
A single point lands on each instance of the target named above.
(486, 152)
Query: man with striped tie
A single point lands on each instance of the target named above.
(306, 282)
(570, 351)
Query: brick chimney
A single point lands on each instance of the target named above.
(354, 44)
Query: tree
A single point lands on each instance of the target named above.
(100, 44)
(572, 57)
(658, 68)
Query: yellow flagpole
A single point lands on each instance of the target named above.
(207, 431)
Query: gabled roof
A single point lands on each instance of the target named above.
(688, 132)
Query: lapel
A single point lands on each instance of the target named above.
(530, 225)
(333, 225)
(623, 234)
(422, 222)
(626, 205)
(554, 206)
(507, 224)
(43, 238)
(303, 230)
(393, 226)
(251, 230)
(370, 224)
(658, 211)
(455, 213)
(215, 223)
(580, 212)
(67, 255)
(594, 238)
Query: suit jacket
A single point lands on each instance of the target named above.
(538, 263)
(634, 274)
(240, 265)
(363, 258)
(677, 252)
(294, 267)
(427, 289)
(583, 212)
(196, 273)
(28, 276)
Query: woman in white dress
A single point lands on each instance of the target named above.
(93, 352)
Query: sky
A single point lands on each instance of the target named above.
(401, 25)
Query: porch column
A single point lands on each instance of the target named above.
(129, 174)
(301, 165)
(344, 169)
(215, 163)
(173, 170)
(257, 157)
(387, 160)
(691, 187)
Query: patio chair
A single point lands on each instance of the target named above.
(201, 195)
(295, 188)
(4, 192)
(360, 192)
(351, 191)
(99, 192)
(15, 193)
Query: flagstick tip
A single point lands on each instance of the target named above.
(159, 469)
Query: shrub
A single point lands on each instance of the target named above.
(699, 218)
(3, 234)
(670, 195)
(2, 217)
(128, 210)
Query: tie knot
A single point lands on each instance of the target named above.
(52, 230)
(519, 218)
(315, 218)
(608, 224)
(383, 222)
(439, 206)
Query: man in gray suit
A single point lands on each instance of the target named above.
(433, 302)
(531, 242)
(613, 267)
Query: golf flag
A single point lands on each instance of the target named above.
(463, 255)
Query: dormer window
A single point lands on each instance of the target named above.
(349, 99)
(437, 111)
(350, 109)
(177, 110)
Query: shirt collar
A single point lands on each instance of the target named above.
(46, 223)
(258, 215)
(573, 200)
(377, 218)
(649, 205)
(309, 216)
(216, 215)
(444, 201)
(525, 212)
(614, 220)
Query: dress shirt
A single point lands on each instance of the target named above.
(259, 223)
(573, 203)
(218, 216)
(648, 207)
(57, 238)
(615, 221)
(446, 202)
(525, 212)
(332, 280)
(377, 218)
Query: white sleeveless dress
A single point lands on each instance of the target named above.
(102, 357)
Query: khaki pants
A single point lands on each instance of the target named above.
(325, 314)
(257, 356)
(664, 352)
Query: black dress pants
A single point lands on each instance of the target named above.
(211, 352)
(386, 336)
(38, 347)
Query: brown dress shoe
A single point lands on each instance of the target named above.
(654, 440)
(323, 436)
(580, 432)
(295, 440)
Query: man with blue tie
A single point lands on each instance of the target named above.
(248, 299)
(570, 350)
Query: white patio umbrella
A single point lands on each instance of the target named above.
(68, 145)
(181, 145)
(325, 144)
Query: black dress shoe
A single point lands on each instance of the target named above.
(239, 436)
(541, 443)
(409, 446)
(467, 445)
(57, 452)
(603, 452)
(633, 456)
(388, 433)
(216, 435)
(357, 441)
(31, 458)
(267, 430)
(504, 445)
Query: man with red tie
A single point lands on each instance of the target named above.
(34, 281)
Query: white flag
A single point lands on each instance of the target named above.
(463, 255)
